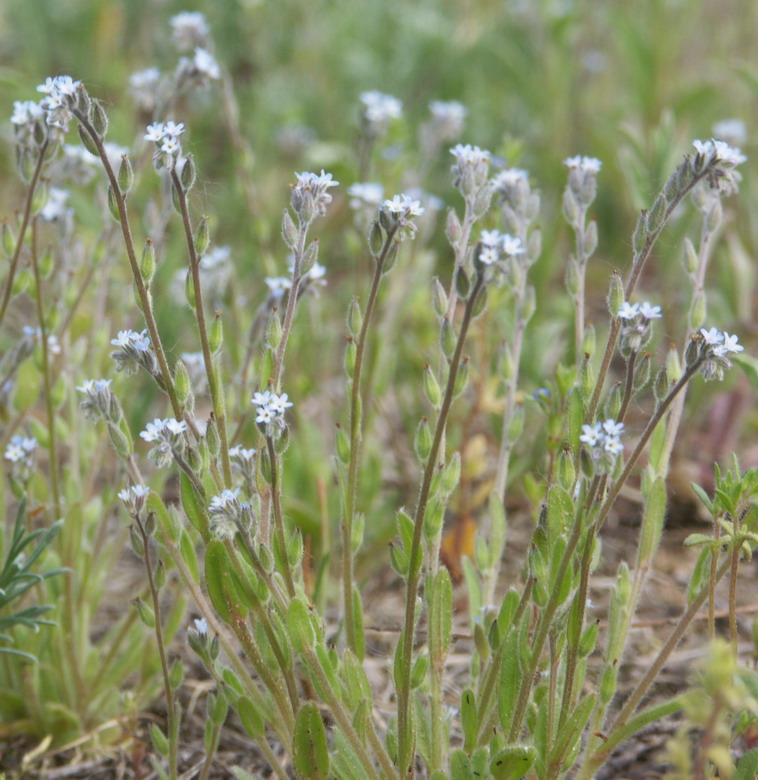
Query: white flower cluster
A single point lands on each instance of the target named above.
(270, 409)
(199, 70)
(495, 244)
(99, 402)
(20, 449)
(631, 311)
(143, 87)
(189, 29)
(26, 115)
(637, 325)
(716, 346)
(604, 443)
(167, 438)
(166, 137)
(396, 215)
(228, 513)
(134, 350)
(310, 195)
(134, 498)
(403, 205)
(278, 285)
(719, 152)
(243, 459)
(35, 335)
(379, 109)
(60, 97)
(585, 165)
(364, 194)
(470, 169)
(448, 119)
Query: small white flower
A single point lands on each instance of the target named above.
(265, 415)
(206, 64)
(225, 499)
(613, 445)
(153, 430)
(470, 154)
(730, 344)
(613, 428)
(512, 246)
(584, 164)
(489, 255)
(173, 129)
(171, 146)
(490, 238)
(650, 312)
(261, 399)
(279, 403)
(175, 426)
(510, 177)
(712, 336)
(380, 108)
(405, 205)
(201, 625)
(155, 132)
(591, 434)
(628, 311)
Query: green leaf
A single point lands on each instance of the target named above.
(703, 496)
(652, 522)
(572, 729)
(192, 507)
(300, 627)
(360, 640)
(460, 766)
(560, 511)
(440, 617)
(189, 556)
(747, 766)
(310, 750)
(469, 720)
(512, 762)
(168, 528)
(251, 719)
(499, 527)
(474, 588)
(575, 417)
(215, 571)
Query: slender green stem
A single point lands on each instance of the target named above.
(548, 613)
(210, 369)
(22, 230)
(142, 291)
(339, 714)
(278, 519)
(638, 264)
(356, 435)
(171, 712)
(414, 574)
(636, 696)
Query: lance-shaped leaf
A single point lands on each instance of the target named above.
(512, 762)
(310, 749)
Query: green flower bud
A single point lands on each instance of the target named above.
(661, 385)
(573, 277)
(590, 341)
(125, 175)
(189, 173)
(354, 318)
(212, 438)
(289, 231)
(448, 338)
(616, 295)
(461, 378)
(147, 264)
(439, 298)
(145, 613)
(657, 215)
(375, 239)
(87, 141)
(690, 259)
(7, 239)
(98, 118)
(189, 290)
(697, 311)
(159, 575)
(590, 239)
(423, 443)
(343, 445)
(640, 233)
(274, 330)
(451, 473)
(566, 471)
(202, 237)
(309, 257)
(113, 204)
(453, 229)
(432, 388)
(216, 339)
(350, 355)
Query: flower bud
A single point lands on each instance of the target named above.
(516, 425)
(589, 341)
(146, 615)
(182, 384)
(673, 365)
(613, 404)
(113, 204)
(453, 229)
(657, 215)
(439, 298)
(640, 233)
(216, 339)
(289, 231)
(212, 438)
(642, 372)
(566, 471)
(423, 442)
(125, 175)
(274, 330)
(432, 388)
(586, 378)
(350, 355)
(98, 118)
(87, 141)
(354, 318)
(120, 443)
(661, 385)
(590, 239)
(189, 289)
(202, 237)
(189, 173)
(309, 257)
(343, 446)
(616, 295)
(692, 352)
(451, 473)
(461, 378)
(570, 207)
(147, 264)
(375, 238)
(573, 277)
(8, 239)
(689, 257)
(448, 338)
(697, 311)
